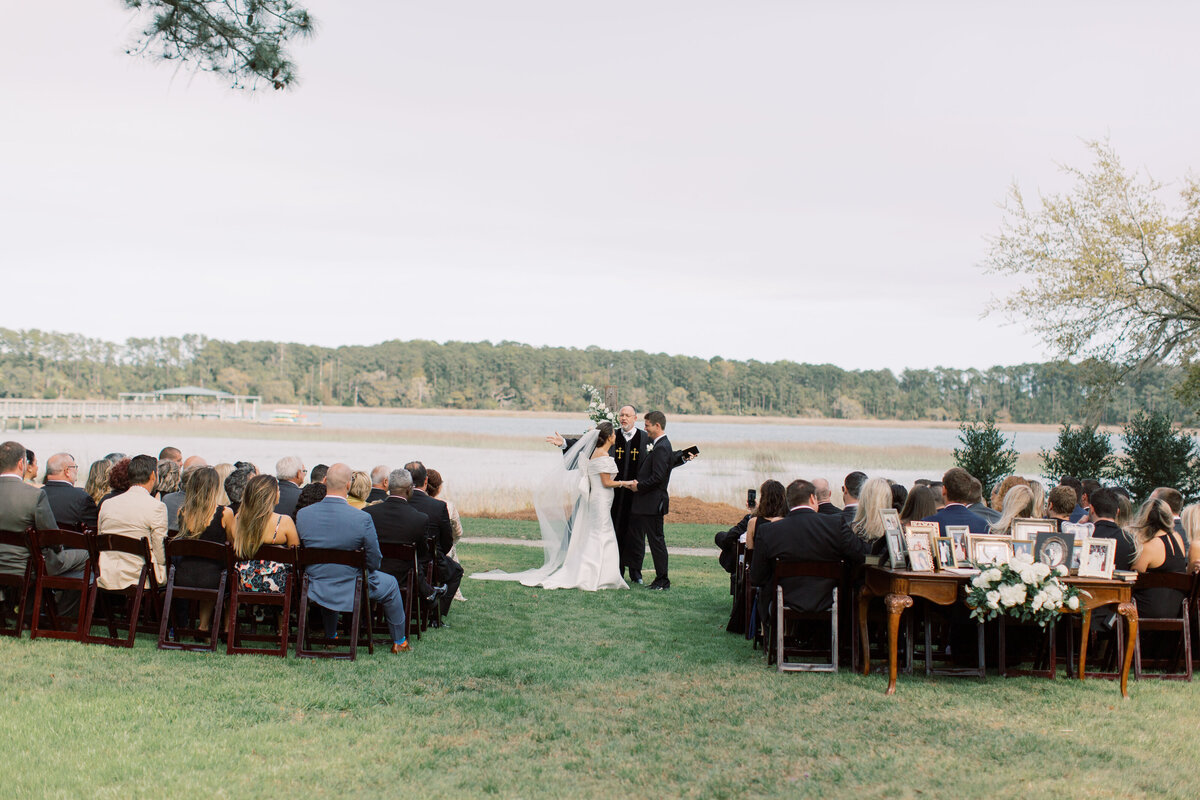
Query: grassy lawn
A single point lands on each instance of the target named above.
(566, 694)
(678, 535)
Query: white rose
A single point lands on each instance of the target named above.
(980, 581)
(992, 575)
(1038, 601)
(1027, 574)
(1041, 570)
(1021, 557)
(1054, 593)
(1073, 603)
(1012, 594)
(1063, 569)
(993, 599)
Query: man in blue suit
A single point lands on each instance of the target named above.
(957, 488)
(333, 524)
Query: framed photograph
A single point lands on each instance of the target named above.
(920, 560)
(896, 549)
(1076, 555)
(959, 534)
(988, 550)
(1027, 529)
(1053, 548)
(945, 553)
(1020, 546)
(1082, 530)
(1097, 558)
(932, 529)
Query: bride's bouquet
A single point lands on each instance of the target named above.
(597, 411)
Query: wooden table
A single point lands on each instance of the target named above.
(899, 587)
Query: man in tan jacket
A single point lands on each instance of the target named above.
(135, 514)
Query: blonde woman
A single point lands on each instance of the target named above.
(203, 517)
(257, 524)
(97, 480)
(1039, 499)
(875, 496)
(223, 472)
(1018, 504)
(1158, 548)
(1190, 517)
(360, 489)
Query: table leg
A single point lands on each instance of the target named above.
(864, 601)
(1084, 629)
(1129, 612)
(896, 603)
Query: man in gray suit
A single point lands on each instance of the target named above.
(334, 525)
(990, 515)
(23, 506)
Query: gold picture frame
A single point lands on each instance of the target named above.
(1026, 529)
(920, 551)
(944, 551)
(986, 550)
(959, 533)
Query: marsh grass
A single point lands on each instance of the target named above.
(568, 694)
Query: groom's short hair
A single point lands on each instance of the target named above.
(657, 417)
(800, 492)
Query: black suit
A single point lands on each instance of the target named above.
(289, 493)
(650, 504)
(1125, 550)
(74, 509)
(377, 495)
(848, 513)
(438, 528)
(828, 508)
(397, 522)
(804, 534)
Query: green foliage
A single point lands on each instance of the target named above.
(243, 40)
(1157, 454)
(1080, 451)
(985, 452)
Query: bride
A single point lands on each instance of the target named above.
(573, 504)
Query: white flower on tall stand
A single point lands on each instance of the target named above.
(1012, 594)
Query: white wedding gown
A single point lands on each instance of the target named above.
(592, 559)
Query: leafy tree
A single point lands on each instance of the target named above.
(243, 40)
(1156, 454)
(1106, 271)
(1083, 452)
(985, 452)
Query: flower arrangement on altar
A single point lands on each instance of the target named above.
(1023, 588)
(597, 411)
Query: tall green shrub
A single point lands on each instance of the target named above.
(985, 452)
(1156, 454)
(1083, 452)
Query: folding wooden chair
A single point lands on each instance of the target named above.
(1182, 624)
(353, 559)
(406, 553)
(787, 568)
(15, 587)
(193, 548)
(1045, 660)
(430, 611)
(240, 597)
(84, 584)
(142, 598)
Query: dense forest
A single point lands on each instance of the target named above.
(421, 374)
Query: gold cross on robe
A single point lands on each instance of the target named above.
(620, 452)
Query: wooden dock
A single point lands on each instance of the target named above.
(21, 414)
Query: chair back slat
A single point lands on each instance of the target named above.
(400, 551)
(309, 556)
(74, 540)
(1179, 581)
(789, 568)
(15, 538)
(196, 548)
(123, 544)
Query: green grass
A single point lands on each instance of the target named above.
(677, 534)
(532, 693)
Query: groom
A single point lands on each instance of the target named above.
(651, 503)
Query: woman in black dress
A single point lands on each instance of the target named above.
(202, 517)
(1159, 549)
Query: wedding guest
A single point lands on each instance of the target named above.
(1061, 503)
(203, 517)
(434, 486)
(175, 499)
(290, 472)
(1104, 507)
(235, 484)
(311, 493)
(851, 486)
(1005, 485)
(1124, 507)
(919, 504)
(1079, 511)
(957, 490)
(73, 508)
(97, 480)
(824, 497)
(1159, 549)
(1018, 504)
(318, 473)
(23, 506)
(256, 524)
(136, 514)
(1039, 499)
(31, 468)
(397, 522)
(360, 490)
(1086, 487)
(168, 478)
(1191, 527)
(899, 496)
(991, 515)
(771, 507)
(224, 470)
(171, 454)
(1174, 499)
(939, 497)
(875, 495)
(118, 480)
(379, 484)
(449, 571)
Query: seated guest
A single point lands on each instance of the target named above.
(255, 525)
(433, 487)
(136, 514)
(1191, 530)
(333, 524)
(1039, 499)
(97, 480)
(851, 486)
(824, 497)
(224, 470)
(899, 495)
(171, 454)
(1060, 503)
(289, 471)
(1079, 512)
(379, 484)
(73, 508)
(804, 534)
(118, 480)
(318, 473)
(771, 507)
(168, 478)
(175, 499)
(939, 497)
(439, 528)
(31, 468)
(203, 517)
(876, 495)
(1005, 486)
(1018, 504)
(360, 489)
(1174, 499)
(1159, 549)
(235, 484)
(397, 522)
(919, 504)
(23, 506)
(311, 493)
(991, 515)
(957, 490)
(1124, 507)
(1104, 515)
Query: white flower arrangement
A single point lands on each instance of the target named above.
(597, 411)
(1021, 588)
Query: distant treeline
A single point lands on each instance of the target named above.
(481, 375)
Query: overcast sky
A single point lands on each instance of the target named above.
(750, 179)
